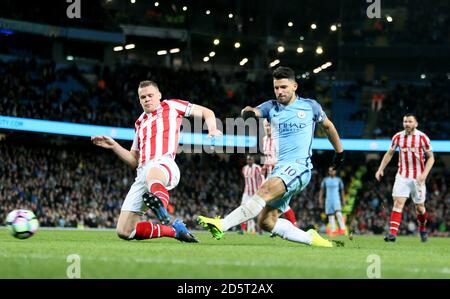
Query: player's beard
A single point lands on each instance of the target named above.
(409, 130)
(285, 99)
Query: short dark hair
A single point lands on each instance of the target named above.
(146, 83)
(283, 72)
(410, 114)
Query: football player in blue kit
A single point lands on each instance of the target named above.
(293, 120)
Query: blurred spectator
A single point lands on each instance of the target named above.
(377, 101)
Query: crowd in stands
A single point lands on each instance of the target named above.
(65, 188)
(40, 90)
(411, 22)
(32, 89)
(430, 103)
(73, 187)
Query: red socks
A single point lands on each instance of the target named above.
(161, 192)
(148, 230)
(422, 220)
(290, 215)
(396, 218)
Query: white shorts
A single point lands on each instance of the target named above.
(405, 187)
(133, 202)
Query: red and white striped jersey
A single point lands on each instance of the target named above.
(253, 178)
(412, 148)
(157, 133)
(269, 151)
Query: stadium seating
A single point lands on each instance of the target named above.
(43, 90)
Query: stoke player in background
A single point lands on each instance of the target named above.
(153, 153)
(270, 159)
(411, 176)
(253, 179)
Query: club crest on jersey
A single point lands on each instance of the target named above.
(301, 114)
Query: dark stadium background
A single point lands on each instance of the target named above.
(380, 69)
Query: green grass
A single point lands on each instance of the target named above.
(103, 255)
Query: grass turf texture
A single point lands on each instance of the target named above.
(103, 255)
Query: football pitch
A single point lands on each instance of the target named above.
(49, 254)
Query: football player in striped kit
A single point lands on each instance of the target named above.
(153, 155)
(412, 173)
(253, 179)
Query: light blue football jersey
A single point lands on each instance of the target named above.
(332, 187)
(333, 196)
(293, 128)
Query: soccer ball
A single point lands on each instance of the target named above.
(22, 223)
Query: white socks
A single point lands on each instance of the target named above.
(286, 230)
(340, 220)
(250, 209)
(246, 211)
(332, 223)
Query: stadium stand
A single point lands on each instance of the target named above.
(45, 90)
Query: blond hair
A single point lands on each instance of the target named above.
(146, 83)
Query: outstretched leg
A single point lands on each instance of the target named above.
(271, 189)
(269, 220)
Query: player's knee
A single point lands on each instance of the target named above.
(123, 233)
(266, 223)
(156, 175)
(398, 204)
